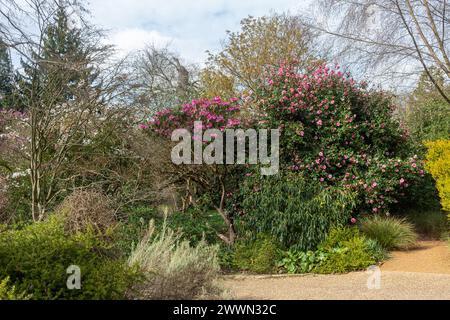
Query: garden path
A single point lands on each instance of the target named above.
(429, 256)
(422, 273)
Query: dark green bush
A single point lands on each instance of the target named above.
(197, 225)
(297, 212)
(194, 225)
(258, 256)
(132, 229)
(431, 224)
(225, 256)
(36, 259)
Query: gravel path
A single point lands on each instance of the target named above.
(423, 273)
(394, 286)
(429, 256)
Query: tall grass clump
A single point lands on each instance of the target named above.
(173, 268)
(390, 232)
(431, 224)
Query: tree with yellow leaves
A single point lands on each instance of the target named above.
(262, 42)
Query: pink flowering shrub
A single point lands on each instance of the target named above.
(205, 184)
(213, 113)
(339, 133)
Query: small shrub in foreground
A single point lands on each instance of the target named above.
(173, 268)
(347, 250)
(344, 250)
(390, 232)
(294, 261)
(258, 256)
(36, 259)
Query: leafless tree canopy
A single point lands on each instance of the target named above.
(391, 39)
(162, 80)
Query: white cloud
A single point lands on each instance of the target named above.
(192, 27)
(128, 40)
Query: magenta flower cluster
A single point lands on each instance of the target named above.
(213, 113)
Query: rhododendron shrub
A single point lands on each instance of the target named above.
(212, 182)
(214, 114)
(338, 132)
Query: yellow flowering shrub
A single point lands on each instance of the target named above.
(438, 164)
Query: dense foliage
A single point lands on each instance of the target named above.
(36, 259)
(343, 250)
(298, 212)
(438, 164)
(258, 256)
(340, 133)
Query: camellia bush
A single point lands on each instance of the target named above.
(335, 133)
(339, 133)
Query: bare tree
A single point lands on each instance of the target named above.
(393, 39)
(63, 89)
(162, 80)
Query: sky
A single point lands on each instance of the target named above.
(188, 27)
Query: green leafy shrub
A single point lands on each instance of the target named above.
(294, 261)
(297, 212)
(131, 230)
(258, 256)
(36, 259)
(226, 258)
(376, 250)
(194, 225)
(346, 250)
(390, 232)
(8, 292)
(431, 224)
(173, 268)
